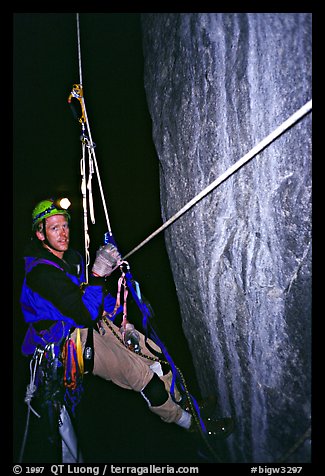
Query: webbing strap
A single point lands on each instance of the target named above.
(70, 361)
(80, 359)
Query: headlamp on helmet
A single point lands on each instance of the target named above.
(47, 208)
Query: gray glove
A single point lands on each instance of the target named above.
(107, 258)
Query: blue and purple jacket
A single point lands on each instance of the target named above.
(53, 300)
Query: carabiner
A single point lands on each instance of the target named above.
(77, 93)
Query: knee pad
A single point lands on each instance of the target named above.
(154, 392)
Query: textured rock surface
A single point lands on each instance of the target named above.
(217, 84)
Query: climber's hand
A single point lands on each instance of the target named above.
(107, 258)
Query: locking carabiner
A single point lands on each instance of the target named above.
(77, 93)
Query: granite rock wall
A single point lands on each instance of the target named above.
(216, 85)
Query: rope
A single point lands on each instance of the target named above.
(31, 389)
(92, 145)
(246, 158)
(79, 49)
(298, 443)
(85, 215)
(86, 186)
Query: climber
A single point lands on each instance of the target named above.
(66, 327)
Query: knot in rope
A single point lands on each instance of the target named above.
(31, 389)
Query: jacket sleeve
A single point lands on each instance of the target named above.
(52, 284)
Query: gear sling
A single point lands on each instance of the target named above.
(56, 366)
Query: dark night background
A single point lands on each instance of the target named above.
(115, 425)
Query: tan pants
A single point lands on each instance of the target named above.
(115, 362)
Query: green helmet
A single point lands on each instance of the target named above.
(45, 209)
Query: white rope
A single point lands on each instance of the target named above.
(84, 205)
(254, 151)
(79, 50)
(89, 186)
(31, 389)
(86, 185)
(91, 145)
(92, 151)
